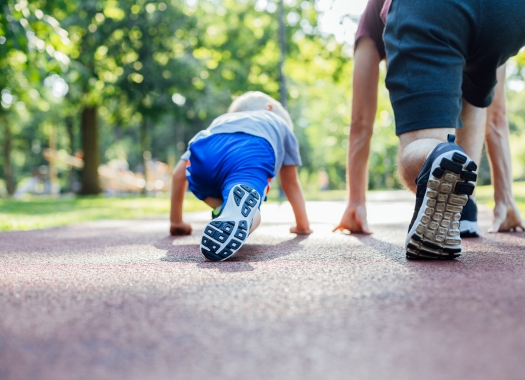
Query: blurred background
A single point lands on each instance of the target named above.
(99, 98)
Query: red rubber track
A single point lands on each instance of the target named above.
(122, 300)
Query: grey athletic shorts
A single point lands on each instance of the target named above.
(441, 50)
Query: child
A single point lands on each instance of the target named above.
(231, 165)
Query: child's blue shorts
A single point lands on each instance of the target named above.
(220, 161)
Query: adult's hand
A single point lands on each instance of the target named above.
(507, 218)
(354, 220)
(181, 228)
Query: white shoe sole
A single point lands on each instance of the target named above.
(226, 234)
(435, 233)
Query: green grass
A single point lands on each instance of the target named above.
(485, 196)
(35, 212)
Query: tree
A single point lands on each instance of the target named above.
(31, 44)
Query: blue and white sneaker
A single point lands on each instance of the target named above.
(444, 184)
(226, 234)
(468, 224)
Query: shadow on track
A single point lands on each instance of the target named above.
(396, 253)
(190, 253)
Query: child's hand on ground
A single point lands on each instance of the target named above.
(301, 230)
(507, 218)
(180, 228)
(354, 220)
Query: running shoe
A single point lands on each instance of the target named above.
(226, 234)
(444, 184)
(468, 224)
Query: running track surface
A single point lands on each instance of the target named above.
(123, 300)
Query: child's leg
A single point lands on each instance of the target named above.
(213, 202)
(256, 179)
(227, 233)
(247, 162)
(204, 172)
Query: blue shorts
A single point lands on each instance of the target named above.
(221, 161)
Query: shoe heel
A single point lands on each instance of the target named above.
(226, 234)
(436, 234)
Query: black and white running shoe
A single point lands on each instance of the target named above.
(443, 186)
(226, 234)
(468, 224)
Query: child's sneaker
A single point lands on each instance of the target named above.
(468, 224)
(216, 212)
(226, 234)
(446, 180)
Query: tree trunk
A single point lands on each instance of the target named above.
(146, 154)
(7, 147)
(71, 137)
(282, 44)
(90, 147)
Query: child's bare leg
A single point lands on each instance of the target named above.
(213, 202)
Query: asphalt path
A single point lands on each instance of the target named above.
(123, 300)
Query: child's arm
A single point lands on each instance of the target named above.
(294, 193)
(178, 189)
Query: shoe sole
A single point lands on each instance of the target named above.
(435, 233)
(468, 229)
(227, 233)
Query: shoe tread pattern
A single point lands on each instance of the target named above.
(251, 201)
(218, 234)
(437, 234)
(237, 195)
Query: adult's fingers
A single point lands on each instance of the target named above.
(339, 227)
(496, 225)
(355, 230)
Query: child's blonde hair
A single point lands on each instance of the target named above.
(256, 100)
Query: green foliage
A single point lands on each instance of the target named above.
(516, 113)
(159, 71)
(31, 48)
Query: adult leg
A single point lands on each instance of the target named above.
(415, 146)
(434, 60)
(426, 59)
(471, 138)
(472, 135)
